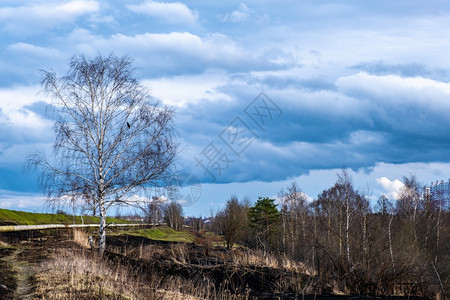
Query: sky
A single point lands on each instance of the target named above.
(266, 93)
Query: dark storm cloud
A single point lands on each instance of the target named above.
(406, 70)
(366, 120)
(358, 82)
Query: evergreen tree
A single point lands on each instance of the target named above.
(263, 218)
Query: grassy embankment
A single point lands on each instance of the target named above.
(13, 217)
(166, 234)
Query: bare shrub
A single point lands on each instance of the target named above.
(179, 253)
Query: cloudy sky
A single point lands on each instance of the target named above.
(360, 84)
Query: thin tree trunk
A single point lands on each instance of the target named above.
(293, 232)
(314, 242)
(267, 232)
(365, 247)
(347, 229)
(439, 278)
(73, 209)
(438, 229)
(329, 228)
(340, 233)
(390, 242)
(102, 243)
(416, 203)
(284, 232)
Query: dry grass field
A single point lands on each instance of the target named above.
(136, 267)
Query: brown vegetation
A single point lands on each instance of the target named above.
(335, 246)
(347, 248)
(135, 267)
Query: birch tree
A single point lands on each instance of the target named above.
(294, 217)
(386, 210)
(173, 215)
(112, 140)
(410, 205)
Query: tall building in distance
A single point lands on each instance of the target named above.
(440, 192)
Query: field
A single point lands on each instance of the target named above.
(150, 263)
(137, 267)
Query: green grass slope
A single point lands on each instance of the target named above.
(165, 234)
(14, 217)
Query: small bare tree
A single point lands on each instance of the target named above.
(294, 215)
(154, 210)
(112, 139)
(232, 220)
(173, 215)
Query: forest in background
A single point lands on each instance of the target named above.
(395, 248)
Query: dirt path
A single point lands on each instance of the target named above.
(8, 281)
(21, 271)
(25, 272)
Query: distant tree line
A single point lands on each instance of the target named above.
(399, 248)
(168, 212)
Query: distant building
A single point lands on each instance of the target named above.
(440, 192)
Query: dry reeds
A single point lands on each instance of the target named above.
(70, 274)
(81, 238)
(264, 259)
(82, 275)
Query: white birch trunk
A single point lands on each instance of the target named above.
(102, 233)
(390, 242)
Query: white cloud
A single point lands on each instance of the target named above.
(136, 199)
(213, 46)
(243, 14)
(76, 8)
(240, 15)
(27, 120)
(14, 99)
(19, 201)
(82, 35)
(388, 88)
(170, 12)
(391, 187)
(182, 90)
(32, 50)
(398, 102)
(175, 52)
(28, 18)
(17, 117)
(362, 137)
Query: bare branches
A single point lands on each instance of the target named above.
(111, 139)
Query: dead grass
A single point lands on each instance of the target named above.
(80, 274)
(81, 238)
(162, 271)
(4, 244)
(263, 259)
